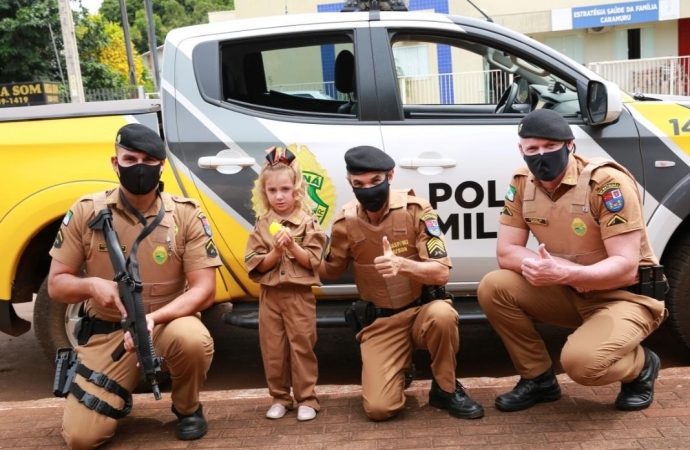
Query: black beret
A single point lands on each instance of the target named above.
(139, 138)
(365, 158)
(545, 124)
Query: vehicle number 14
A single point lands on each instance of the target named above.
(677, 129)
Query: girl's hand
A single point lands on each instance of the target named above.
(286, 237)
(279, 241)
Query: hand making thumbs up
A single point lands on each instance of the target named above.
(543, 271)
(388, 264)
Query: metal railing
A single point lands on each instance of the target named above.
(479, 87)
(98, 95)
(665, 76)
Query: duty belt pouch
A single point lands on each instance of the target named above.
(83, 330)
(365, 312)
(660, 285)
(65, 371)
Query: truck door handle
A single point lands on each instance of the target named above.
(227, 161)
(415, 163)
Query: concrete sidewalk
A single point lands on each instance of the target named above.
(584, 419)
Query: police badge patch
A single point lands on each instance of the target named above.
(431, 223)
(613, 199)
(436, 248)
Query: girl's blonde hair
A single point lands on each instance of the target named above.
(259, 199)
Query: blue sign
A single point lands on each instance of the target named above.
(615, 14)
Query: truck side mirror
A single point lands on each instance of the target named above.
(604, 103)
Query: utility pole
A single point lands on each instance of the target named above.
(128, 44)
(153, 48)
(69, 40)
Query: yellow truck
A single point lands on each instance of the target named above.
(309, 82)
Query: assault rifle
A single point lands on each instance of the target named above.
(130, 287)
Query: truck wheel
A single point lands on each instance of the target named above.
(676, 267)
(54, 325)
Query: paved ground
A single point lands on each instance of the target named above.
(583, 419)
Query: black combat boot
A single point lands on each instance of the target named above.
(191, 426)
(639, 393)
(526, 393)
(458, 403)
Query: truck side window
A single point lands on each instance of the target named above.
(284, 75)
(442, 77)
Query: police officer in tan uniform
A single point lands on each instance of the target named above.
(177, 264)
(594, 271)
(398, 255)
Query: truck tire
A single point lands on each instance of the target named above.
(54, 325)
(676, 263)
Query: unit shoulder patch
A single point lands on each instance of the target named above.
(430, 220)
(436, 248)
(613, 197)
(616, 220)
(204, 223)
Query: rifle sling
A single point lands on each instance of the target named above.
(148, 229)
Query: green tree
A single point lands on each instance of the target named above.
(167, 15)
(26, 50)
(93, 40)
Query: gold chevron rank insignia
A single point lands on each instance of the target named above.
(211, 250)
(616, 220)
(507, 211)
(249, 256)
(436, 248)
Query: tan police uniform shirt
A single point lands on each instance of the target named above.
(181, 243)
(416, 235)
(611, 206)
(306, 232)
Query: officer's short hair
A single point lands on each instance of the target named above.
(365, 158)
(139, 138)
(545, 124)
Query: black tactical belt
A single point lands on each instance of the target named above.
(88, 326)
(388, 312)
(652, 283)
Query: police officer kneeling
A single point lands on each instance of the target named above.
(594, 271)
(396, 247)
(177, 263)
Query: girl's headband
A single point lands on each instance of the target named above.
(279, 155)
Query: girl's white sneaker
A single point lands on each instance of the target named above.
(277, 411)
(305, 413)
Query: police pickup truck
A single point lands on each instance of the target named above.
(226, 97)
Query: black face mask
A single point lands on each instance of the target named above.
(140, 179)
(373, 198)
(548, 166)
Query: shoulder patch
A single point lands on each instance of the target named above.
(59, 239)
(507, 211)
(510, 195)
(430, 220)
(613, 198)
(608, 186)
(67, 218)
(616, 220)
(204, 223)
(211, 250)
(436, 248)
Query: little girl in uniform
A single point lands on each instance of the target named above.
(283, 255)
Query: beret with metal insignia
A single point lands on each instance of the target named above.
(366, 158)
(139, 138)
(545, 124)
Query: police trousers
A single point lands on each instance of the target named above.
(609, 327)
(187, 349)
(387, 346)
(287, 335)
